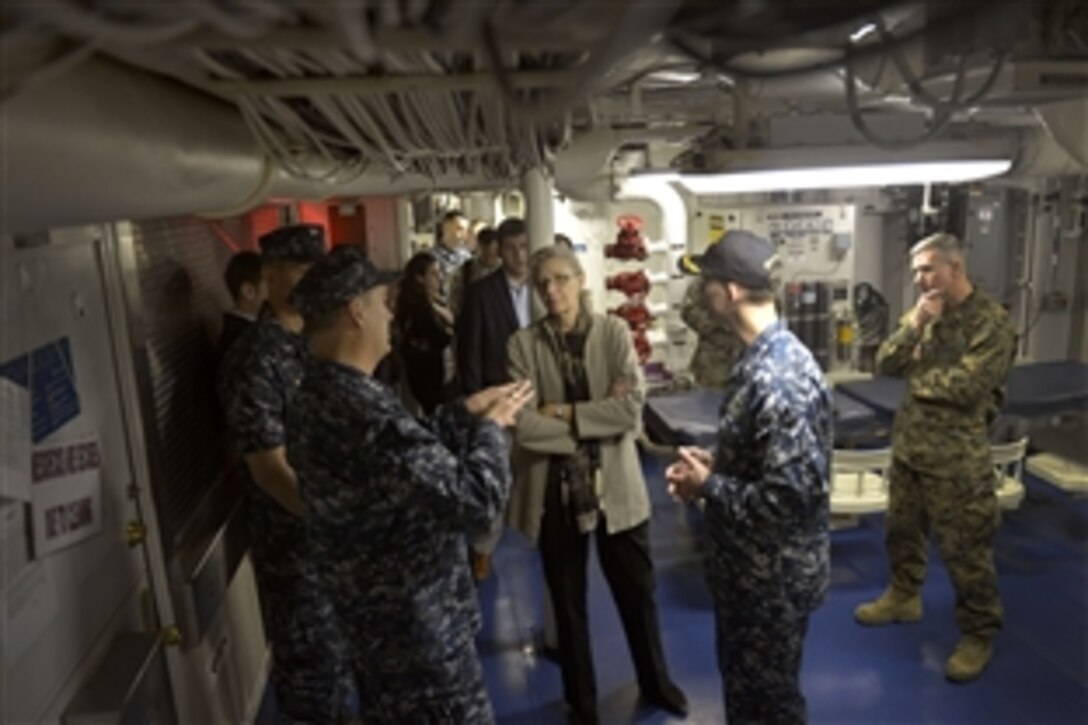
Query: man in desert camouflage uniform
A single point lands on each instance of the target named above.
(766, 490)
(955, 349)
(256, 383)
(718, 347)
(388, 502)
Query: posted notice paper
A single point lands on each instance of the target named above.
(67, 494)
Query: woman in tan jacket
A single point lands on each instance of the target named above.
(577, 473)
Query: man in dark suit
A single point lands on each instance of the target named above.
(494, 308)
(243, 278)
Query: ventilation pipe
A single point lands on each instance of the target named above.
(403, 212)
(539, 208)
(585, 158)
(481, 205)
(582, 167)
(663, 194)
(1058, 146)
(106, 142)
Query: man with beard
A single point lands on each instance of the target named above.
(765, 489)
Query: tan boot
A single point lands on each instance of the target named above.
(969, 659)
(890, 607)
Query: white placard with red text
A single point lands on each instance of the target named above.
(67, 493)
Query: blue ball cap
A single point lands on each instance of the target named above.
(738, 256)
(334, 280)
(294, 243)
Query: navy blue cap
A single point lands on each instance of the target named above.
(295, 243)
(335, 279)
(738, 256)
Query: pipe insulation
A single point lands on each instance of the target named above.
(539, 207)
(107, 142)
(1058, 146)
(1065, 123)
(582, 166)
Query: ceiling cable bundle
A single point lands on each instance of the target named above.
(488, 89)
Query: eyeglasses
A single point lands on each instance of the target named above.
(559, 280)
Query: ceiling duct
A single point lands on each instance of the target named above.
(1024, 82)
(107, 142)
(293, 98)
(1059, 147)
(425, 88)
(583, 168)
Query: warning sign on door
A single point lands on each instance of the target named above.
(67, 494)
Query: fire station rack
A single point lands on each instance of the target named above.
(638, 273)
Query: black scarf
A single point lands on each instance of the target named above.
(577, 473)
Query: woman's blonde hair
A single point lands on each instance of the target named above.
(546, 254)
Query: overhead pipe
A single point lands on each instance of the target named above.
(386, 39)
(666, 197)
(581, 168)
(1056, 147)
(418, 82)
(539, 208)
(106, 142)
(403, 226)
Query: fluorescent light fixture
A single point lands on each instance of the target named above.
(840, 177)
(846, 177)
(740, 171)
(675, 76)
(862, 32)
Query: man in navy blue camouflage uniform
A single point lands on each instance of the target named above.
(389, 499)
(765, 489)
(256, 383)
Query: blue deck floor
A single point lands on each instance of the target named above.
(851, 674)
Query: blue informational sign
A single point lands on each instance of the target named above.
(50, 376)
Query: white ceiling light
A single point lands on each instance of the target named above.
(738, 171)
(842, 177)
(862, 32)
(679, 77)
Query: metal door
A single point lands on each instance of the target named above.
(71, 611)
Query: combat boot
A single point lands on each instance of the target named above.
(890, 607)
(969, 659)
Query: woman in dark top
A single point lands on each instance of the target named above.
(423, 329)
